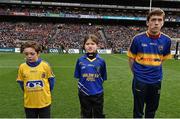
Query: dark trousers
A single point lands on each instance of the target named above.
(91, 106)
(38, 112)
(148, 94)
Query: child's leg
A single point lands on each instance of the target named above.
(31, 112)
(45, 112)
(86, 106)
(98, 102)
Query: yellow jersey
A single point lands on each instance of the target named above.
(36, 85)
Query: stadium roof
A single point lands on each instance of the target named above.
(103, 1)
(143, 3)
(122, 2)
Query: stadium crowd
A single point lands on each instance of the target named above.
(65, 36)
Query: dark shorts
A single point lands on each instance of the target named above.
(92, 106)
(38, 112)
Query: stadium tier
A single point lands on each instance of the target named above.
(65, 25)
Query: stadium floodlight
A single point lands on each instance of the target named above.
(177, 56)
(150, 5)
(175, 46)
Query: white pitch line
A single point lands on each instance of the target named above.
(123, 59)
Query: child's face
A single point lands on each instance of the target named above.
(30, 54)
(90, 46)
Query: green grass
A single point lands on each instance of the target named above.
(118, 95)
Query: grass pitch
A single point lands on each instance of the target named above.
(117, 89)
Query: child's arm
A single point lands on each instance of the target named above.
(103, 71)
(20, 78)
(21, 83)
(50, 76)
(77, 70)
(51, 82)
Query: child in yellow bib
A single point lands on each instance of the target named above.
(37, 81)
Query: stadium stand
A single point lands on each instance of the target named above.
(44, 23)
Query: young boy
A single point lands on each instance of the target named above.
(37, 81)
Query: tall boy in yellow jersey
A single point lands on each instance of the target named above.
(37, 80)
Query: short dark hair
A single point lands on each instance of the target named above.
(31, 44)
(156, 11)
(93, 37)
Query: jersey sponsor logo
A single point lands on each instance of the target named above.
(43, 75)
(157, 60)
(153, 43)
(138, 90)
(81, 63)
(160, 47)
(52, 74)
(90, 65)
(24, 76)
(34, 84)
(33, 70)
(90, 77)
(83, 67)
(144, 45)
(151, 59)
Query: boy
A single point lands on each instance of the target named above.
(37, 81)
(146, 54)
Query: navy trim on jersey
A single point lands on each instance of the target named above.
(51, 83)
(34, 64)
